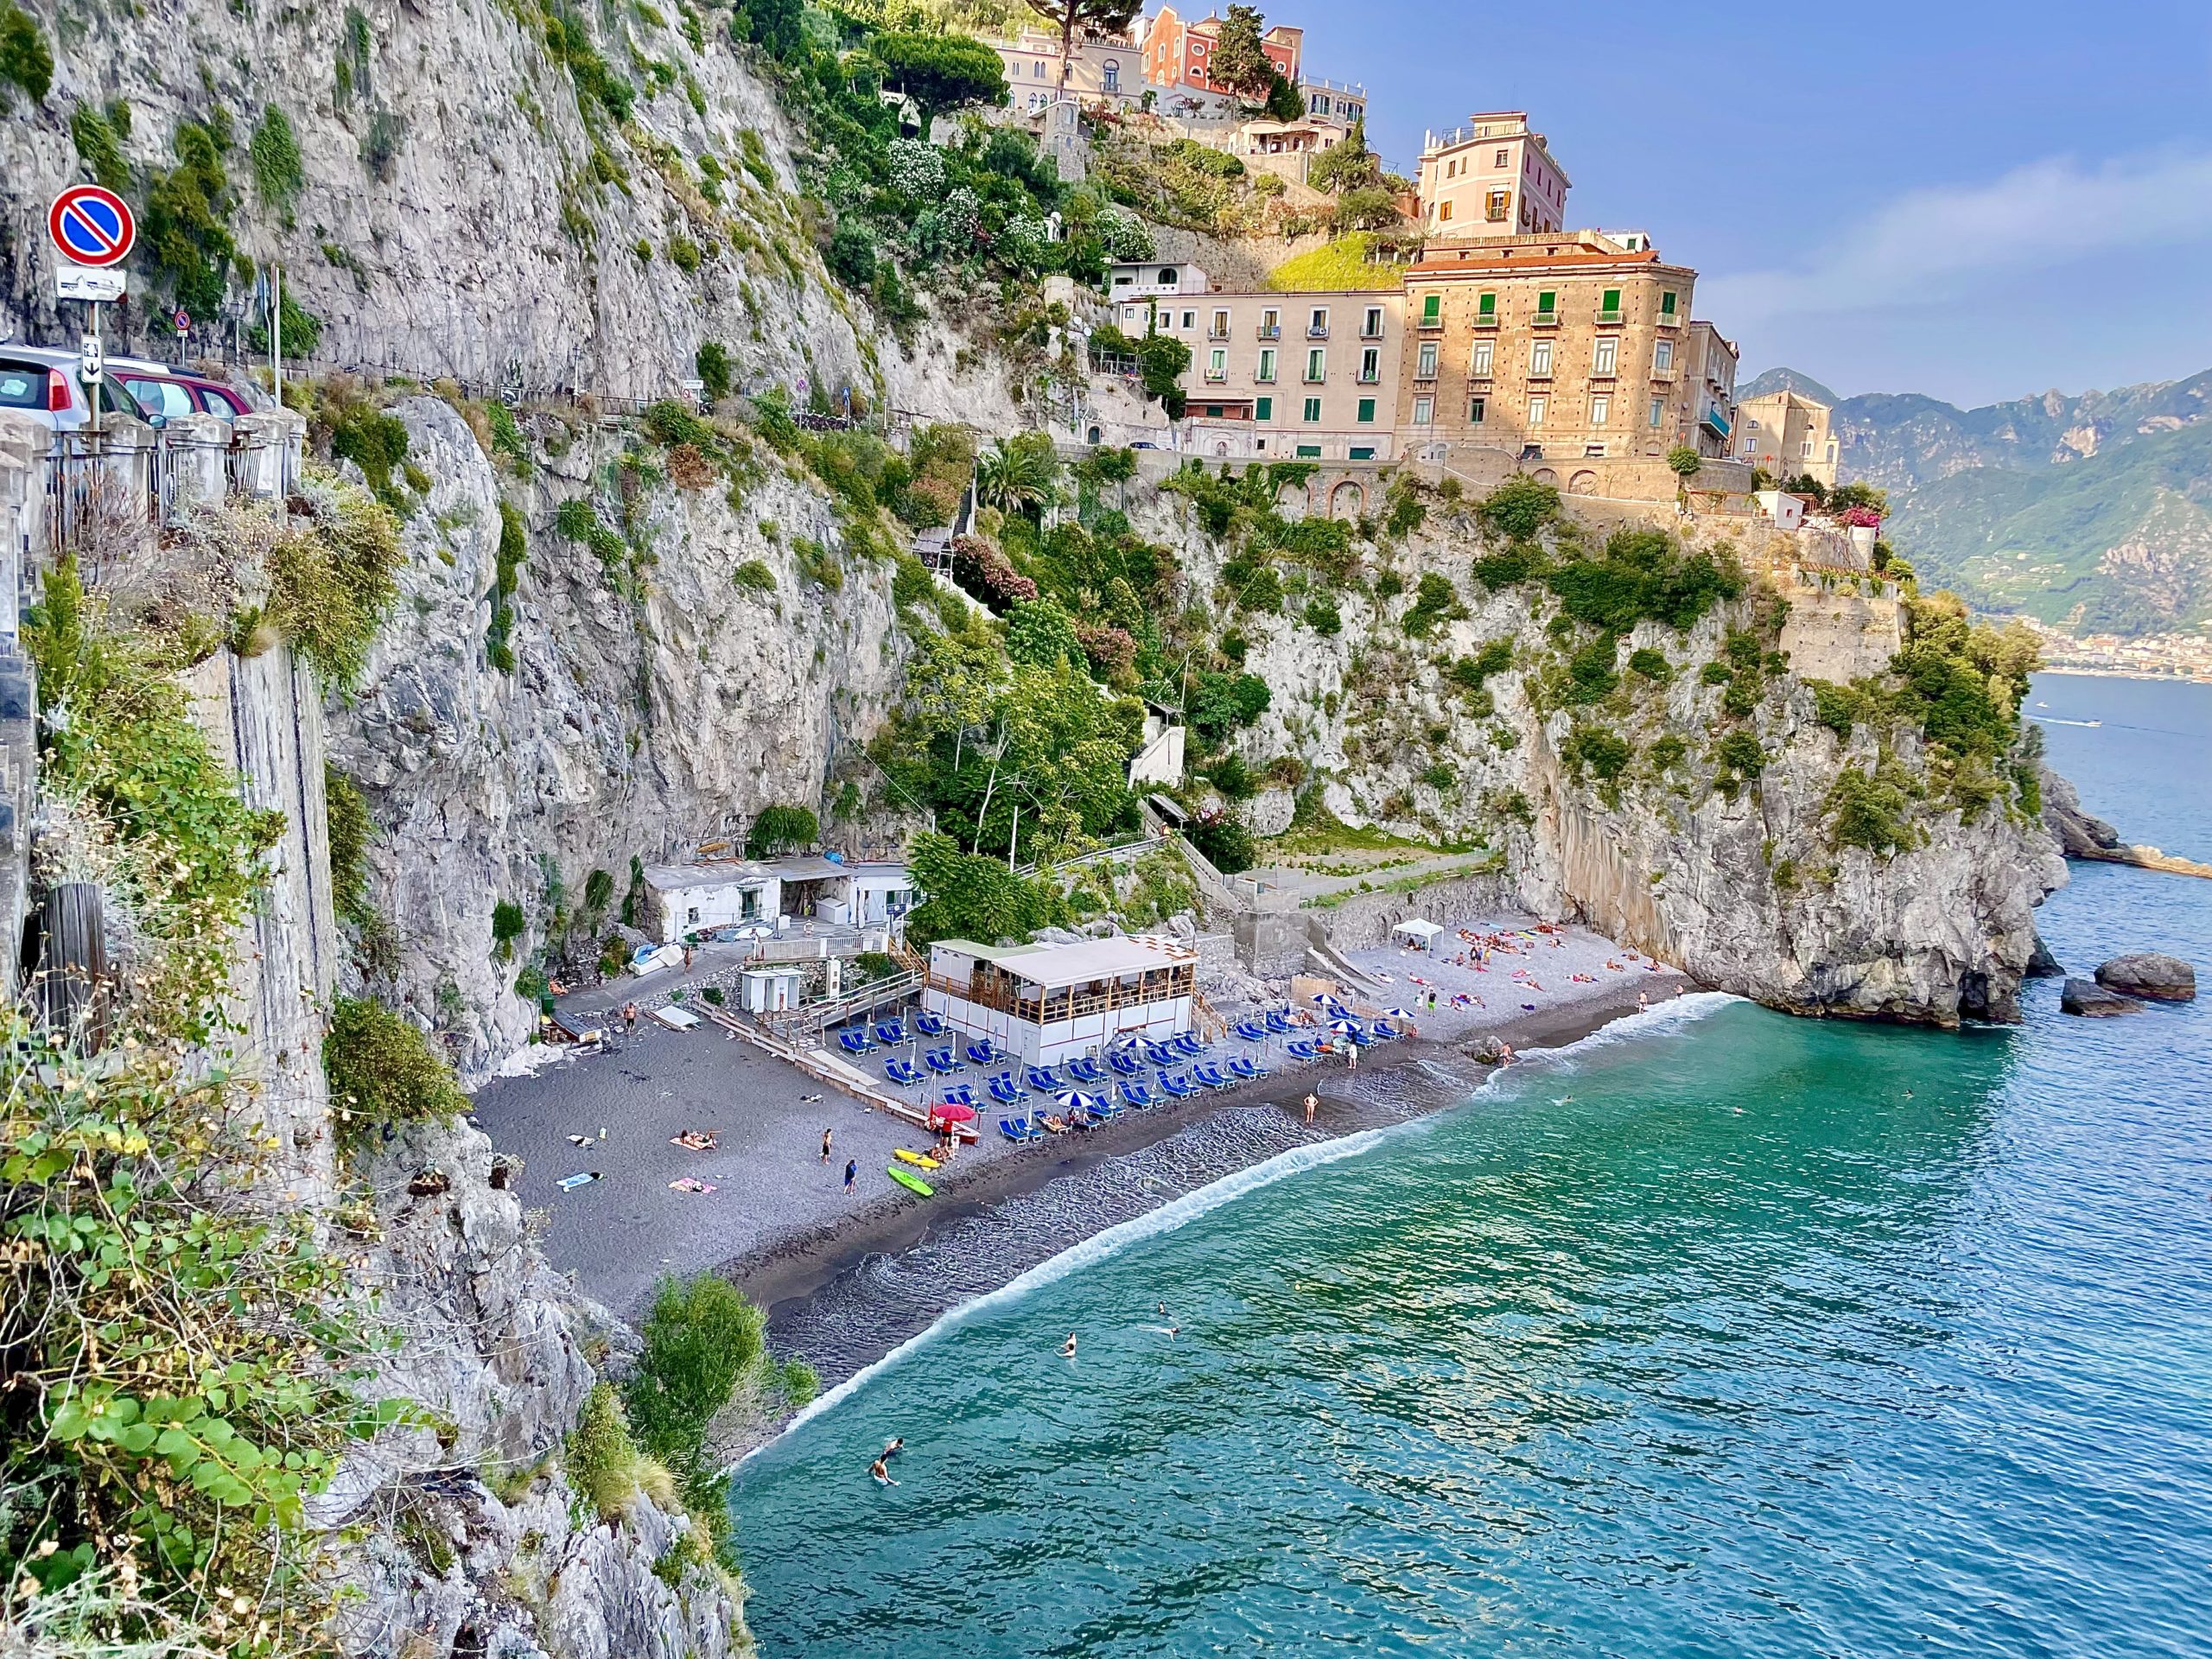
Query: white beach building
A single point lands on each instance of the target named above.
(682, 899)
(1051, 1002)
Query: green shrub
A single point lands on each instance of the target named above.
(375, 443)
(1870, 811)
(779, 829)
(99, 135)
(1650, 664)
(604, 1465)
(713, 369)
(26, 60)
(1642, 575)
(1739, 752)
(1224, 841)
(331, 582)
(1667, 752)
(1322, 615)
(507, 926)
(1519, 562)
(700, 1340)
(1839, 707)
(1590, 674)
(1716, 674)
(1435, 600)
(755, 576)
(382, 1070)
(185, 229)
(1593, 749)
(350, 829)
(1519, 508)
(514, 550)
(278, 173)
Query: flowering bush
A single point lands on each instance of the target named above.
(982, 570)
(917, 169)
(1862, 519)
(1112, 651)
(1123, 235)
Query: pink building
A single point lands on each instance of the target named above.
(1490, 178)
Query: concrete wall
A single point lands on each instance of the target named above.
(1839, 631)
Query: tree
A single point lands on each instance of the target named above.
(1684, 462)
(1285, 103)
(1016, 474)
(1161, 360)
(1041, 631)
(1240, 63)
(1350, 165)
(1089, 18)
(779, 828)
(775, 26)
(942, 72)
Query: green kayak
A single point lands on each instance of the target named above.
(911, 1182)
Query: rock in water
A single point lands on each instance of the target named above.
(2086, 996)
(2041, 963)
(2163, 979)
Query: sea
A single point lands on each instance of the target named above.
(1718, 1333)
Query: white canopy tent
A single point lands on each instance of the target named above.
(1420, 934)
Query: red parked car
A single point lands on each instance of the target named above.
(169, 391)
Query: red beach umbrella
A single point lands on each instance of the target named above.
(953, 1112)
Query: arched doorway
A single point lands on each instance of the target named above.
(1293, 501)
(1583, 483)
(1347, 501)
(1094, 437)
(1546, 475)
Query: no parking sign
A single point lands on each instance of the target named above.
(90, 225)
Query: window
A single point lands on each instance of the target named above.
(1540, 358)
(1190, 319)
(1432, 311)
(1317, 364)
(1313, 414)
(1217, 364)
(1220, 329)
(1605, 355)
(1037, 70)
(1271, 324)
(1263, 409)
(1367, 411)
(1486, 305)
(1266, 372)
(1601, 409)
(692, 914)
(1168, 276)
(1371, 365)
(1502, 160)
(1663, 357)
(1424, 411)
(1805, 450)
(1213, 411)
(1593, 450)
(1537, 406)
(1477, 408)
(1316, 323)
(1547, 303)
(1658, 414)
(1362, 452)
(1479, 366)
(1309, 452)
(748, 904)
(1666, 305)
(1425, 367)
(1112, 76)
(1611, 305)
(1371, 324)
(1444, 210)
(1500, 204)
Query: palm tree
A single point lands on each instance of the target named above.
(1016, 474)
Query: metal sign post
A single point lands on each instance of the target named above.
(93, 230)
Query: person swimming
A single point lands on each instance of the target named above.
(1067, 1348)
(893, 1447)
(882, 1473)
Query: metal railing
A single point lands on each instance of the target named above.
(1269, 331)
(1485, 319)
(1607, 314)
(1546, 319)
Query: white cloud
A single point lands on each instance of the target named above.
(1933, 244)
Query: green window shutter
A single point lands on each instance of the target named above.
(1264, 409)
(1366, 410)
(1476, 408)
(1309, 452)
(1666, 305)
(1312, 409)
(1612, 300)
(1547, 302)
(1431, 307)
(1487, 305)
(1367, 454)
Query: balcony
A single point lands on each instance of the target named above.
(1607, 375)
(1485, 319)
(1217, 377)
(1266, 379)
(1269, 331)
(1218, 331)
(1715, 422)
(1313, 379)
(1428, 324)
(1375, 333)
(1545, 320)
(1670, 320)
(1609, 315)
(1317, 331)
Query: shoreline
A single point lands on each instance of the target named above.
(793, 1278)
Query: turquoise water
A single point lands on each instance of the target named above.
(1731, 1335)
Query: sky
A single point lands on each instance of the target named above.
(1972, 201)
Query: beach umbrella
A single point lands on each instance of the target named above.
(1395, 1013)
(1074, 1099)
(953, 1112)
(1348, 1027)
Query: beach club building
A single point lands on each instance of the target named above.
(1051, 1002)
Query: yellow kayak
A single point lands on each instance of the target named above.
(917, 1158)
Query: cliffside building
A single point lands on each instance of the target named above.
(1178, 53)
(1564, 349)
(1047, 1003)
(1788, 435)
(1288, 377)
(1494, 177)
(1109, 70)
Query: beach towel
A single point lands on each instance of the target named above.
(697, 1139)
(689, 1183)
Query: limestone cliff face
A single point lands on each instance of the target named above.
(1742, 883)
(634, 725)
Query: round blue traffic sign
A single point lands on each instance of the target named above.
(90, 225)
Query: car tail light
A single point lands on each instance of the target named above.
(57, 390)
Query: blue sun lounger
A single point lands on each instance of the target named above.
(1136, 1094)
(1190, 1045)
(1209, 1077)
(891, 1034)
(1382, 1033)
(1004, 1091)
(1279, 1023)
(1040, 1076)
(980, 1053)
(1243, 1068)
(1020, 1129)
(902, 1072)
(940, 1060)
(1302, 1051)
(1125, 1064)
(1251, 1033)
(929, 1025)
(1163, 1056)
(961, 1096)
(1177, 1086)
(854, 1042)
(1083, 1069)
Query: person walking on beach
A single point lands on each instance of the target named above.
(1311, 1103)
(629, 1017)
(852, 1172)
(687, 958)
(825, 1145)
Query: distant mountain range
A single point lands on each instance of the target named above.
(2092, 514)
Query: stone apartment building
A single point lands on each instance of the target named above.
(1099, 71)
(1288, 377)
(1711, 368)
(1787, 433)
(1494, 177)
(1567, 349)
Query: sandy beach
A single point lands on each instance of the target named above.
(778, 1221)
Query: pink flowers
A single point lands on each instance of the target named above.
(984, 571)
(1862, 517)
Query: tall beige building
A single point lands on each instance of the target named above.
(1787, 433)
(1494, 177)
(1290, 376)
(1565, 348)
(1711, 368)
